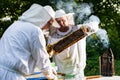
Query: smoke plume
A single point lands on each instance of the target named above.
(82, 12)
(102, 34)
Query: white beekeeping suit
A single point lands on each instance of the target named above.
(93, 26)
(73, 59)
(23, 46)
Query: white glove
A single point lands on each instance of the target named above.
(51, 75)
(54, 71)
(86, 28)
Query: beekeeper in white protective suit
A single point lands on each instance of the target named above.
(23, 46)
(73, 59)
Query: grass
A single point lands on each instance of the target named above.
(93, 67)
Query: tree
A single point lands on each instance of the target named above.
(13, 9)
(109, 14)
(107, 10)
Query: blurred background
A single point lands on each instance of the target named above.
(107, 37)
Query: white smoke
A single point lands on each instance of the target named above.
(67, 6)
(102, 34)
(92, 18)
(93, 21)
(82, 12)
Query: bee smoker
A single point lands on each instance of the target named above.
(107, 63)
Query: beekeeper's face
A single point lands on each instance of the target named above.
(62, 21)
(49, 23)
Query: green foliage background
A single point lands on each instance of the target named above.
(107, 10)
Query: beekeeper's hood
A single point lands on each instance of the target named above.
(61, 13)
(39, 15)
(70, 16)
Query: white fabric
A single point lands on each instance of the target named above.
(64, 33)
(69, 60)
(73, 59)
(52, 13)
(35, 14)
(23, 46)
(70, 19)
(61, 13)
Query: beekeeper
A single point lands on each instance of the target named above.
(23, 46)
(73, 59)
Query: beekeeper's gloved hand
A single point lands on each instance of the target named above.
(51, 75)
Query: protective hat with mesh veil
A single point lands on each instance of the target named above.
(61, 13)
(52, 14)
(70, 16)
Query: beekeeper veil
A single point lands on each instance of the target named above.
(38, 15)
(61, 13)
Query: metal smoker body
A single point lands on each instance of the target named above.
(107, 63)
